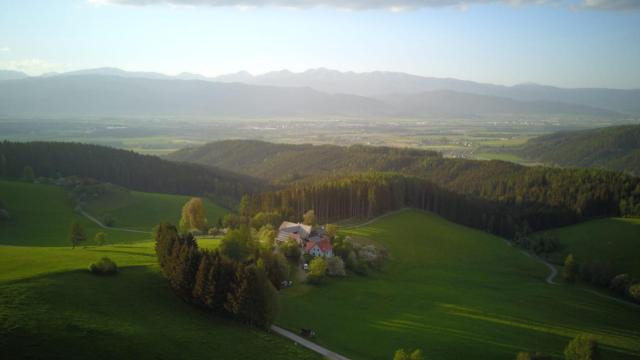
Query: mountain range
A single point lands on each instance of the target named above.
(112, 91)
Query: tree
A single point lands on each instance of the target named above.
(620, 283)
(28, 174)
(275, 266)
(266, 235)
(332, 230)
(253, 298)
(238, 244)
(291, 249)
(570, 269)
(100, 238)
(309, 218)
(335, 266)
(402, 354)
(76, 234)
(582, 347)
(317, 270)
(193, 215)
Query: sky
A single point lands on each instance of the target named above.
(568, 43)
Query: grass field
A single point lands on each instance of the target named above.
(41, 216)
(142, 211)
(456, 293)
(52, 307)
(614, 239)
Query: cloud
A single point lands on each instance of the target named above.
(32, 66)
(4, 49)
(617, 5)
(392, 5)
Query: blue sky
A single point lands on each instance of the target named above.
(572, 43)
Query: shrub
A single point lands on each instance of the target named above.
(108, 221)
(570, 269)
(634, 292)
(335, 266)
(582, 347)
(620, 283)
(100, 238)
(317, 270)
(105, 266)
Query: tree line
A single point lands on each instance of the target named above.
(372, 194)
(121, 167)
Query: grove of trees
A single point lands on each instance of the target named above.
(240, 286)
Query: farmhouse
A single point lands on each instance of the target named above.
(313, 241)
(297, 231)
(319, 248)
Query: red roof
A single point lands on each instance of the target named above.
(324, 245)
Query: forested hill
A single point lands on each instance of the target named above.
(124, 168)
(581, 192)
(614, 148)
(287, 162)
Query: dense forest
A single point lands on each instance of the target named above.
(614, 148)
(370, 194)
(583, 192)
(287, 162)
(124, 168)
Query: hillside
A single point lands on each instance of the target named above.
(612, 241)
(286, 162)
(615, 148)
(124, 168)
(51, 307)
(456, 293)
(548, 196)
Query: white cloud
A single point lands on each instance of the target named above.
(31, 66)
(4, 49)
(392, 5)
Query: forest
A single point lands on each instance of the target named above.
(124, 168)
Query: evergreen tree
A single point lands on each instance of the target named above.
(3, 166)
(76, 234)
(253, 299)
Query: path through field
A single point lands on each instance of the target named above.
(308, 344)
(99, 223)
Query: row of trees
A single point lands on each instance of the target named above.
(226, 282)
(603, 274)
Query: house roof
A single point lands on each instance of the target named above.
(323, 245)
(294, 227)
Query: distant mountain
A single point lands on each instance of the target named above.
(451, 103)
(12, 75)
(382, 83)
(123, 96)
(110, 71)
(613, 148)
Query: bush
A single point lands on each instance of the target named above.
(582, 347)
(634, 292)
(108, 221)
(317, 270)
(597, 272)
(620, 283)
(105, 266)
(335, 266)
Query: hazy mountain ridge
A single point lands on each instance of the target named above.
(114, 92)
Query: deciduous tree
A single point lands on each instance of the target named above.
(193, 215)
(76, 234)
(582, 347)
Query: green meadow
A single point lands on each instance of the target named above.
(52, 307)
(143, 211)
(616, 240)
(456, 293)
